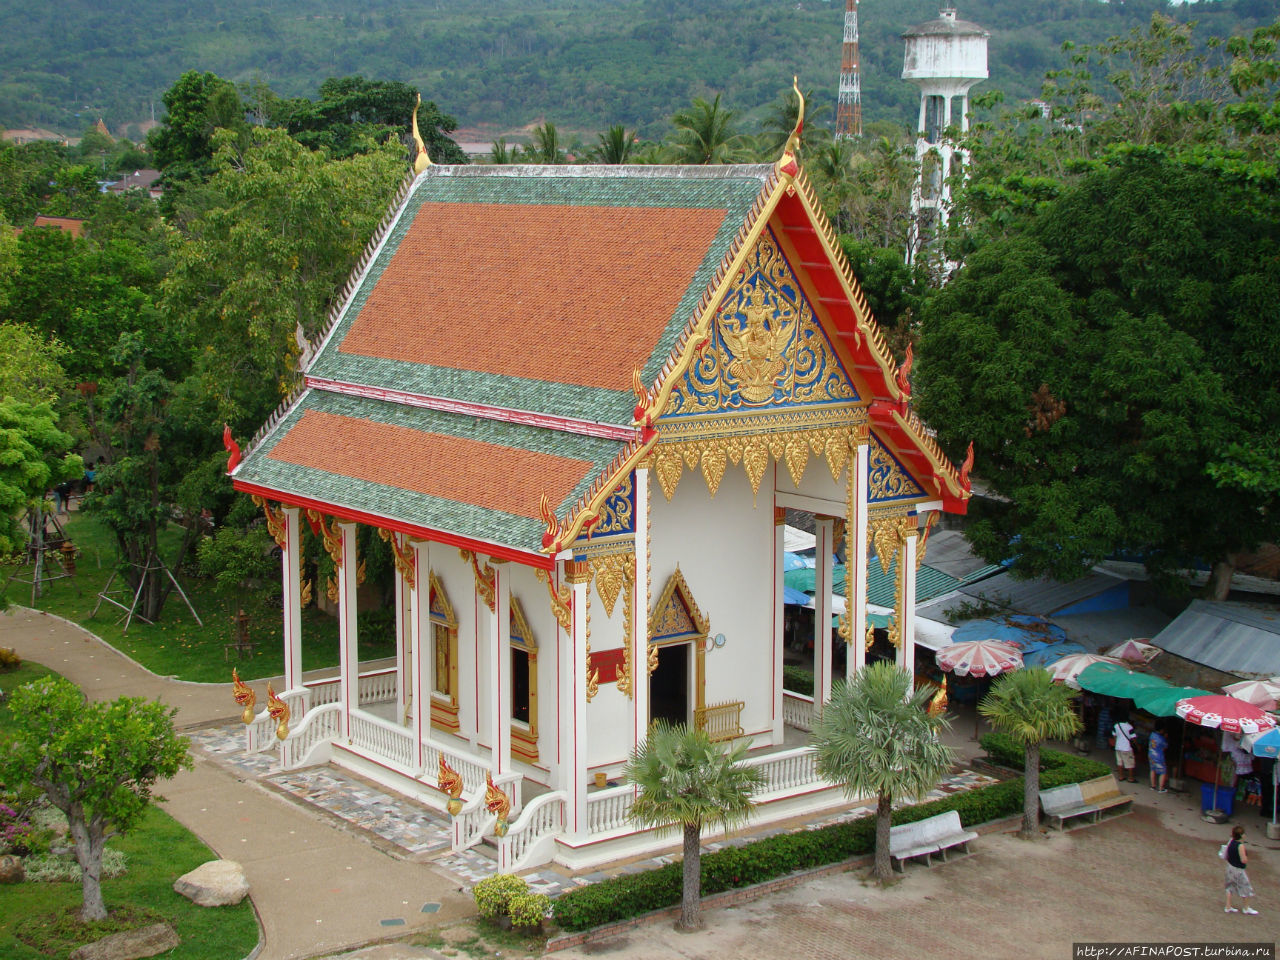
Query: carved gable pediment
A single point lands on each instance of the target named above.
(765, 350)
(676, 616)
(440, 607)
(887, 479)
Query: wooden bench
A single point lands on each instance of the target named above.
(1088, 799)
(924, 838)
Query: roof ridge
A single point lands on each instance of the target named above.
(653, 171)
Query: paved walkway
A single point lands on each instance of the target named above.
(317, 889)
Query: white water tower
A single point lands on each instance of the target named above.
(945, 58)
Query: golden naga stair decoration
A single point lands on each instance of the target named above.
(244, 696)
(450, 781)
(497, 803)
(278, 710)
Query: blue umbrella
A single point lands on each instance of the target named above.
(1268, 745)
(1016, 628)
(794, 597)
(793, 561)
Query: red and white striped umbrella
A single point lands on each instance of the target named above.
(1068, 668)
(1261, 693)
(1135, 651)
(1228, 713)
(979, 658)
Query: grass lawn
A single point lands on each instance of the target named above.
(159, 850)
(177, 645)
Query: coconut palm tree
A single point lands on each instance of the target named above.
(877, 738)
(1028, 706)
(546, 146)
(781, 118)
(500, 154)
(615, 145)
(704, 134)
(687, 780)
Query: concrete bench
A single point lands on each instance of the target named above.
(1090, 798)
(924, 838)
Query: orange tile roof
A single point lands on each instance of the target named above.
(70, 225)
(461, 470)
(569, 294)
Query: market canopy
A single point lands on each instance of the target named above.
(1112, 680)
(1163, 701)
(1021, 629)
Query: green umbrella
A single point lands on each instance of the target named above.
(1162, 701)
(1114, 680)
(805, 579)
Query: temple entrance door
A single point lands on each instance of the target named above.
(669, 684)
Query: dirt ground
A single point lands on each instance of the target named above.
(1151, 876)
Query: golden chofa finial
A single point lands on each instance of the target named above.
(787, 164)
(421, 161)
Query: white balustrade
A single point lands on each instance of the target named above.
(531, 839)
(385, 740)
(377, 686)
(472, 769)
(261, 733)
(787, 771)
(319, 725)
(797, 710)
(609, 811)
(474, 821)
(324, 691)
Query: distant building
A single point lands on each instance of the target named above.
(32, 135)
(146, 180)
(70, 225)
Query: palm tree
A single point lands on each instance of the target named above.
(876, 737)
(1028, 706)
(704, 134)
(500, 153)
(615, 145)
(545, 147)
(781, 120)
(686, 779)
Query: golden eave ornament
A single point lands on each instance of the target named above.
(421, 161)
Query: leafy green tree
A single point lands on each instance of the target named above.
(273, 235)
(686, 779)
(545, 147)
(33, 457)
(30, 365)
(895, 290)
(1028, 706)
(1115, 343)
(96, 762)
(615, 145)
(704, 133)
(876, 737)
(197, 105)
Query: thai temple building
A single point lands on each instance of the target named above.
(578, 402)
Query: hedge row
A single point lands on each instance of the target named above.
(630, 895)
(797, 680)
(1056, 768)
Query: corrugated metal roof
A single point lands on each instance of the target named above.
(1232, 637)
(1041, 597)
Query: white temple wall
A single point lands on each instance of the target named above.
(817, 483)
(724, 547)
(609, 714)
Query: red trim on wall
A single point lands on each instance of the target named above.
(495, 550)
(589, 428)
(607, 662)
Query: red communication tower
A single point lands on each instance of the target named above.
(849, 104)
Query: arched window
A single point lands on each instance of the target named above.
(444, 652)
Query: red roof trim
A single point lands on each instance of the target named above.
(495, 550)
(586, 428)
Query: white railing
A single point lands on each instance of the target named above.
(609, 811)
(472, 769)
(376, 686)
(474, 821)
(318, 727)
(797, 710)
(531, 840)
(384, 739)
(786, 772)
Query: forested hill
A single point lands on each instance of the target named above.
(505, 63)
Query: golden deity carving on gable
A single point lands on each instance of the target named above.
(765, 348)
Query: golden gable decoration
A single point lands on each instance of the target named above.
(675, 618)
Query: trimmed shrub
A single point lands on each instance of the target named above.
(9, 659)
(493, 895)
(528, 909)
(630, 895)
(797, 680)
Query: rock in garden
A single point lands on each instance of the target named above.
(130, 945)
(11, 869)
(218, 883)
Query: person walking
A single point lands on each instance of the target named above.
(1156, 747)
(1124, 736)
(1237, 880)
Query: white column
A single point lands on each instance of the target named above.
(498, 641)
(292, 556)
(348, 651)
(907, 615)
(640, 615)
(424, 660)
(779, 621)
(573, 724)
(404, 647)
(822, 611)
(856, 562)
